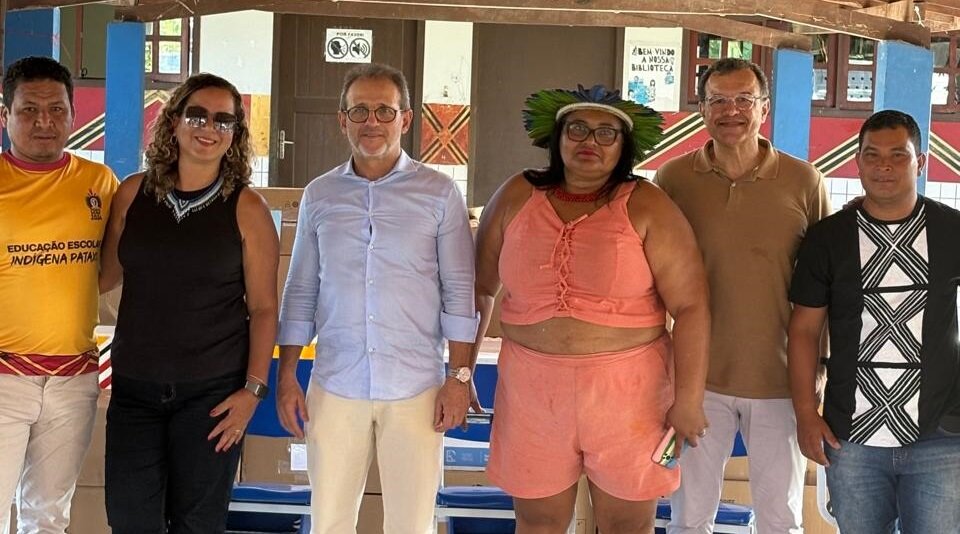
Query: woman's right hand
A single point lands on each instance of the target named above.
(689, 421)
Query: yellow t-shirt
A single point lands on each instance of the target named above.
(52, 220)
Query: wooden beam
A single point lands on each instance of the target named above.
(830, 17)
(43, 4)
(744, 31)
(833, 18)
(900, 10)
(721, 26)
(952, 9)
(856, 4)
(938, 22)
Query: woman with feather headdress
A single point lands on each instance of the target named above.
(591, 258)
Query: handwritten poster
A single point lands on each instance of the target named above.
(652, 59)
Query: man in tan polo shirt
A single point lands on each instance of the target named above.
(749, 205)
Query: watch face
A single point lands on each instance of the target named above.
(463, 374)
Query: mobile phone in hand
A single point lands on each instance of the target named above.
(666, 452)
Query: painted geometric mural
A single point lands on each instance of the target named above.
(445, 134)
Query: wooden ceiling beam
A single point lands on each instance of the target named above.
(833, 18)
(939, 22)
(900, 10)
(952, 9)
(44, 4)
(830, 17)
(721, 26)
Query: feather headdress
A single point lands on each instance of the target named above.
(546, 107)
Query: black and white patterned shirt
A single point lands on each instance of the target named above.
(891, 291)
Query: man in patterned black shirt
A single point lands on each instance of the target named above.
(885, 274)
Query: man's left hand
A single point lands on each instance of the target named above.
(453, 400)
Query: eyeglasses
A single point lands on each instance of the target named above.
(362, 113)
(604, 135)
(199, 117)
(743, 102)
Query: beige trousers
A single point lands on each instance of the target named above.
(45, 428)
(342, 437)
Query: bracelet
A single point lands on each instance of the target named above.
(256, 379)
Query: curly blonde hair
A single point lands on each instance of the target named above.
(163, 153)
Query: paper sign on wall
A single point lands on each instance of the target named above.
(651, 72)
(349, 46)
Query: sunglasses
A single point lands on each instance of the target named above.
(199, 117)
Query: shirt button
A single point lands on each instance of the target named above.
(370, 282)
(370, 317)
(371, 350)
(370, 247)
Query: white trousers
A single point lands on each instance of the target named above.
(342, 436)
(769, 429)
(45, 428)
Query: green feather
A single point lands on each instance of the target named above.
(539, 118)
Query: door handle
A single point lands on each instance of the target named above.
(282, 144)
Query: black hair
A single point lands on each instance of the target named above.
(890, 119)
(553, 175)
(31, 69)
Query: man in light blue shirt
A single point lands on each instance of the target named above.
(382, 271)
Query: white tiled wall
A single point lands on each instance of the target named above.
(843, 190)
(457, 172)
(92, 155)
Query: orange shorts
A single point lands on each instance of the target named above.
(604, 414)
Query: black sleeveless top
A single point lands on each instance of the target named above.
(183, 314)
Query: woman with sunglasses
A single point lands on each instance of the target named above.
(197, 252)
(591, 259)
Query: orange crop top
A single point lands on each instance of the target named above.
(593, 268)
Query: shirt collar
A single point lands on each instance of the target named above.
(404, 165)
(37, 167)
(768, 169)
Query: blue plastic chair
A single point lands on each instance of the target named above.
(250, 499)
(731, 518)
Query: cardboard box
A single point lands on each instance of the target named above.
(284, 199)
(370, 520)
(88, 513)
(266, 459)
(738, 492)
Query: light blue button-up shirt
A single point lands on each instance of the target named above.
(382, 271)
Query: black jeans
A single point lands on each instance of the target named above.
(162, 475)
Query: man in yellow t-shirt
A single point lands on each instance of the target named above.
(53, 209)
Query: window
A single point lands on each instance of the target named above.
(946, 71)
(857, 67)
(705, 49)
(167, 51)
(824, 49)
